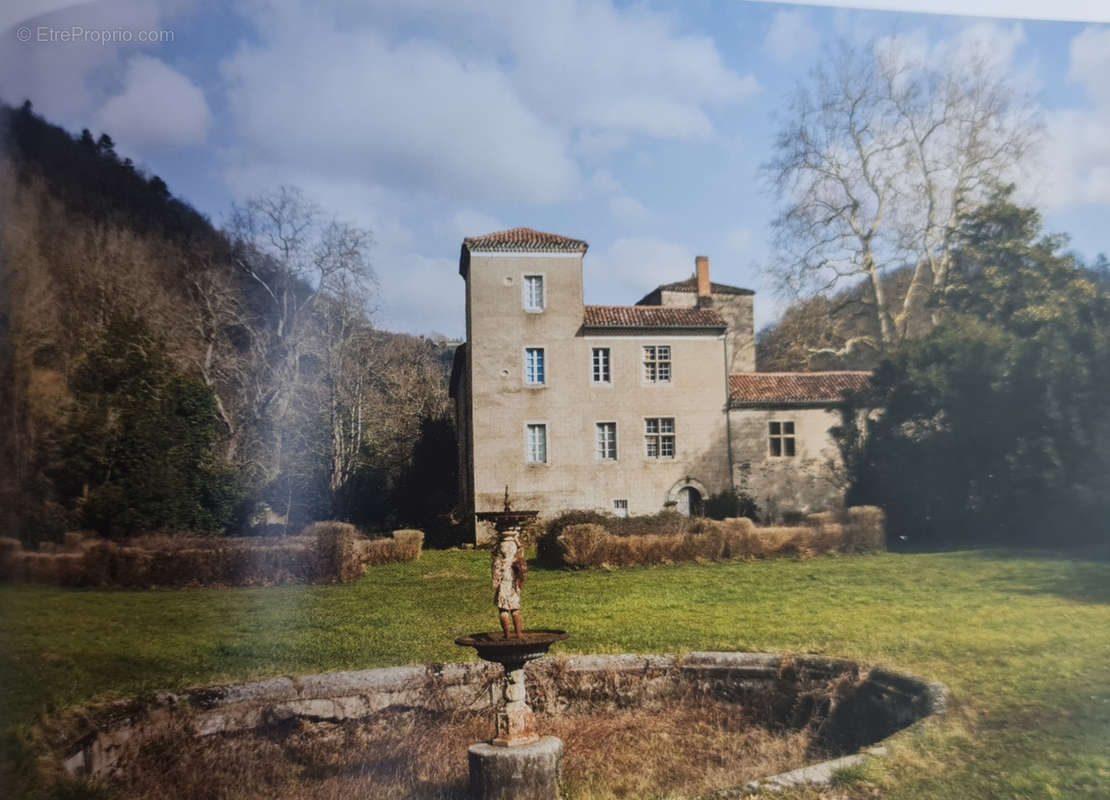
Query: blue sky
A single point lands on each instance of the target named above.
(639, 127)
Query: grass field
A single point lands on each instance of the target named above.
(1022, 640)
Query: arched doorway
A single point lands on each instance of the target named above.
(687, 497)
(690, 502)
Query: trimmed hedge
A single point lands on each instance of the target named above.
(325, 552)
(590, 544)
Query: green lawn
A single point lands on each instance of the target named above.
(1023, 642)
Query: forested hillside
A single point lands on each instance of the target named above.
(159, 374)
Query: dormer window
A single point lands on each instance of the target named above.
(534, 299)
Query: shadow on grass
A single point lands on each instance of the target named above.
(1080, 575)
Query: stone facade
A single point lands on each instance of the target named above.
(624, 409)
(811, 480)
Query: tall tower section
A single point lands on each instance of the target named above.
(524, 308)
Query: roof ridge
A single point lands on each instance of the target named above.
(524, 238)
(809, 372)
(612, 316)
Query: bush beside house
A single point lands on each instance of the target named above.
(325, 552)
(610, 542)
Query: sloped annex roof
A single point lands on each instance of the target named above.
(637, 317)
(655, 296)
(757, 389)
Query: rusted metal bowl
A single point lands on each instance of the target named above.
(512, 650)
(503, 520)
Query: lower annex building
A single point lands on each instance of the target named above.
(627, 409)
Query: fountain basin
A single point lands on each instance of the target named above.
(849, 706)
(513, 649)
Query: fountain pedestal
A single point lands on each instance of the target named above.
(516, 724)
(517, 764)
(521, 772)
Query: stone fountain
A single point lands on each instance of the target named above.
(517, 763)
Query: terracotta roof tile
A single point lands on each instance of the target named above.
(793, 388)
(651, 317)
(525, 240)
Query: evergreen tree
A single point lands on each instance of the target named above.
(996, 426)
(138, 450)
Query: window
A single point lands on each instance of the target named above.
(659, 437)
(601, 365)
(537, 444)
(620, 508)
(533, 293)
(605, 441)
(782, 439)
(533, 366)
(657, 363)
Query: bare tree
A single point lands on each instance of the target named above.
(314, 280)
(882, 157)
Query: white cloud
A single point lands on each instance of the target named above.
(625, 71)
(988, 46)
(411, 114)
(790, 35)
(1076, 162)
(1075, 10)
(598, 144)
(1090, 64)
(338, 88)
(159, 108)
(468, 222)
(58, 76)
(628, 210)
(633, 266)
(603, 182)
(422, 295)
(453, 112)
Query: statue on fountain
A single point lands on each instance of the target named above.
(517, 762)
(509, 570)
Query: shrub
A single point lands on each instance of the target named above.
(547, 547)
(408, 544)
(337, 557)
(329, 551)
(591, 544)
(72, 540)
(9, 552)
(731, 503)
(866, 528)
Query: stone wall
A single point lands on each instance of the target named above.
(810, 481)
(856, 706)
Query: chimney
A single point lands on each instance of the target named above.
(705, 299)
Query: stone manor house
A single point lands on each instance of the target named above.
(627, 409)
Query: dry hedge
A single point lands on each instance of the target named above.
(591, 544)
(324, 552)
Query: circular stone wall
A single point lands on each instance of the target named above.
(846, 705)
